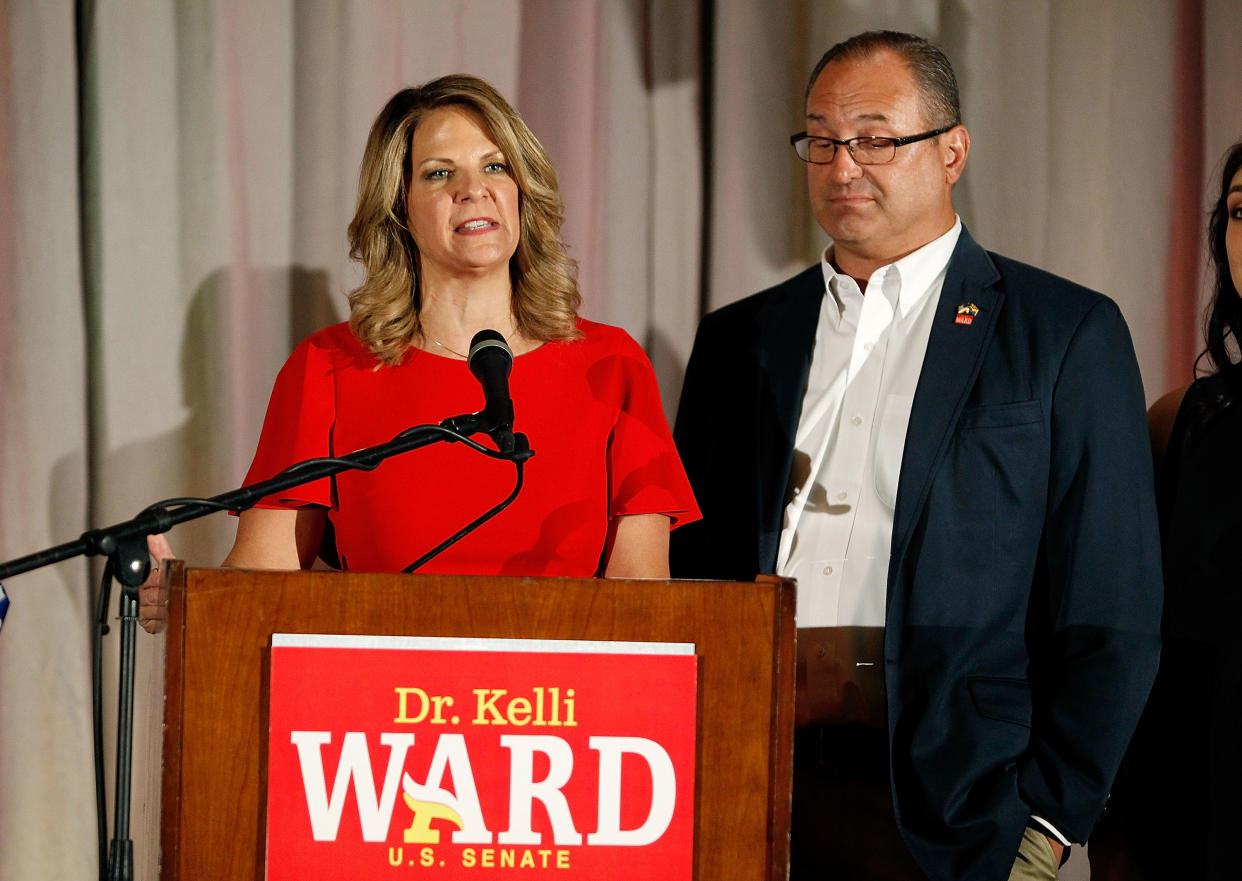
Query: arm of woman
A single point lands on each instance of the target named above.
(637, 546)
(277, 538)
(267, 538)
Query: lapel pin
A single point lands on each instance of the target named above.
(966, 313)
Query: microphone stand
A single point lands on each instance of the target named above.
(125, 546)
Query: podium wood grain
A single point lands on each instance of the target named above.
(219, 636)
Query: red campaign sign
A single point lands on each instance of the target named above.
(407, 757)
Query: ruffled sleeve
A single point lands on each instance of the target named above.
(298, 425)
(645, 475)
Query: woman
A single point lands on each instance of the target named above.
(1175, 811)
(458, 225)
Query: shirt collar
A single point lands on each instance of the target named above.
(915, 274)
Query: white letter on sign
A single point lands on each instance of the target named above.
(374, 813)
(523, 789)
(663, 791)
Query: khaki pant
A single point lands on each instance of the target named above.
(1035, 861)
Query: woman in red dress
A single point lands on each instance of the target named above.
(458, 228)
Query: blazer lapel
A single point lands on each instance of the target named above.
(786, 342)
(954, 356)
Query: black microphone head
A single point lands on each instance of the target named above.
(488, 347)
(491, 361)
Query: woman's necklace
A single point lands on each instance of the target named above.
(452, 351)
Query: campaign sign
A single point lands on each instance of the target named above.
(405, 757)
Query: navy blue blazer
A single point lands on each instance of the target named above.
(1024, 592)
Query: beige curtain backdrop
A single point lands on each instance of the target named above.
(145, 312)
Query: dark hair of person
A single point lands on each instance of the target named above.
(933, 74)
(1224, 313)
(384, 310)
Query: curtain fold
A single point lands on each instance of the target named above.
(46, 801)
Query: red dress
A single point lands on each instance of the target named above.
(590, 408)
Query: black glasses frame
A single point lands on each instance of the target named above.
(851, 143)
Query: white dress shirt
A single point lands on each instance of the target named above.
(838, 525)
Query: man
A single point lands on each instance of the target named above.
(947, 449)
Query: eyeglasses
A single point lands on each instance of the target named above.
(864, 150)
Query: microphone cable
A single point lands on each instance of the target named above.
(518, 456)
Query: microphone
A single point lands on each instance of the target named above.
(490, 361)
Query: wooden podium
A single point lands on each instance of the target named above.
(220, 624)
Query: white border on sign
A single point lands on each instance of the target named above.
(479, 644)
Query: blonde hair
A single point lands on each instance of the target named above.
(384, 310)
